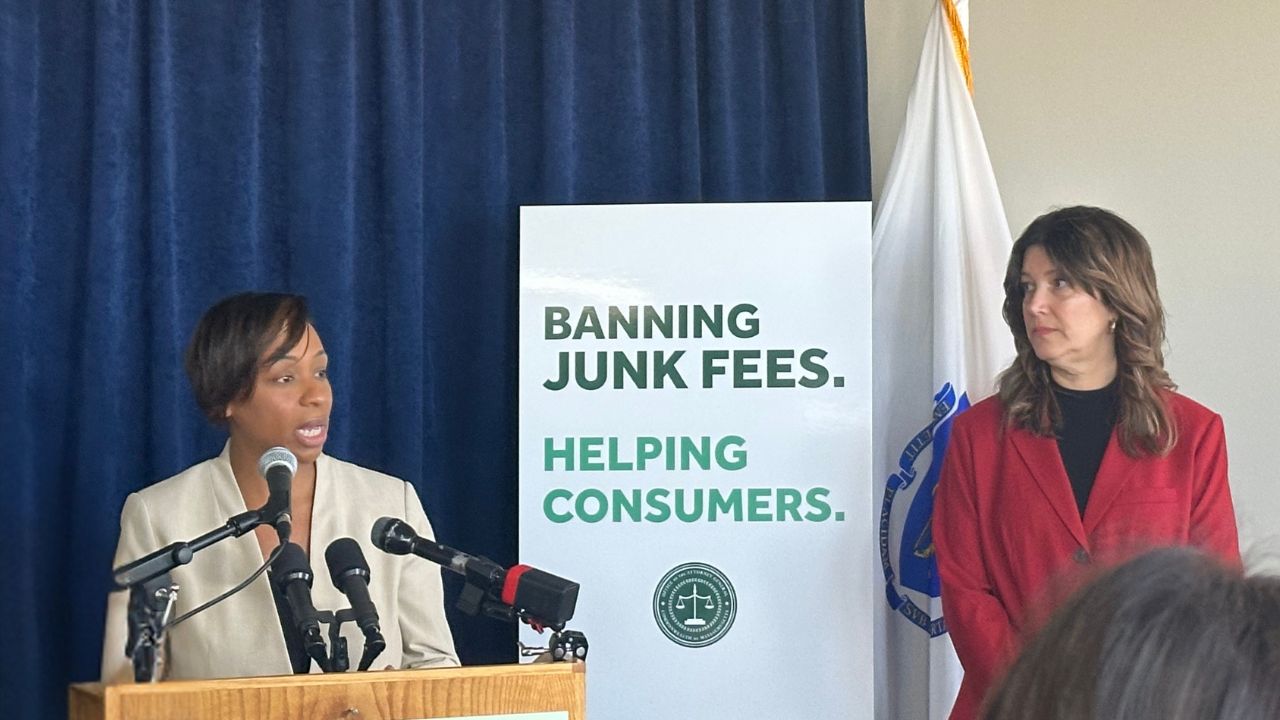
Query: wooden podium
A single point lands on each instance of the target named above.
(384, 695)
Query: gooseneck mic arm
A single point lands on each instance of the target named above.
(167, 558)
(277, 466)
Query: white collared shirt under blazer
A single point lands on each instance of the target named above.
(241, 636)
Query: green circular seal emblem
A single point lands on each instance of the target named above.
(694, 605)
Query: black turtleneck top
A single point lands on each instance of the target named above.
(1088, 417)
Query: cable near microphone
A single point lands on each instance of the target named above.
(291, 574)
(278, 465)
(350, 574)
(540, 598)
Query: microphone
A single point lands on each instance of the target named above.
(291, 573)
(278, 465)
(545, 599)
(350, 574)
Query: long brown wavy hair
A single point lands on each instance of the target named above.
(1107, 257)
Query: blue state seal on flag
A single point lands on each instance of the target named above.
(909, 564)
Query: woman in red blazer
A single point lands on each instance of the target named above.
(1085, 456)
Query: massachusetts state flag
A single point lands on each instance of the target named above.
(940, 243)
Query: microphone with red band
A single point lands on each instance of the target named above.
(511, 583)
(537, 596)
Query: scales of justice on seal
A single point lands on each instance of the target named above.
(532, 596)
(694, 600)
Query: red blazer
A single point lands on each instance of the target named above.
(1011, 543)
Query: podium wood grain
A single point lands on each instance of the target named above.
(386, 695)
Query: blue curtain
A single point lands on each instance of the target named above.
(156, 156)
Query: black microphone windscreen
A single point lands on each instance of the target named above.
(290, 564)
(378, 535)
(344, 557)
(350, 573)
(392, 535)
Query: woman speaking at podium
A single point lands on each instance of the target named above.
(258, 368)
(1085, 456)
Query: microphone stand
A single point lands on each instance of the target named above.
(563, 646)
(152, 593)
(476, 597)
(374, 644)
(150, 606)
(338, 661)
(167, 558)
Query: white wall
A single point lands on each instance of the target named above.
(1169, 114)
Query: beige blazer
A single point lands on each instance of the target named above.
(241, 636)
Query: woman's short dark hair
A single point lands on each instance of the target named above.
(1172, 634)
(229, 341)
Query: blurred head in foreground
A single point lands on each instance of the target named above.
(1169, 635)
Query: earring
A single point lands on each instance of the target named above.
(1113, 326)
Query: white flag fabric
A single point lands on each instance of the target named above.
(940, 245)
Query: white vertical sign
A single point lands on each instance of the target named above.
(695, 450)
